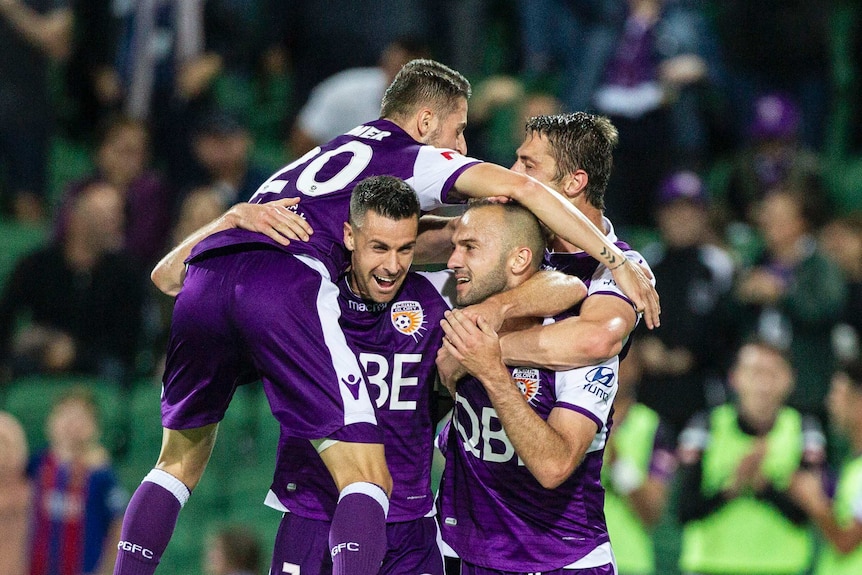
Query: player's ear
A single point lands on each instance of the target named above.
(424, 121)
(574, 184)
(349, 242)
(521, 259)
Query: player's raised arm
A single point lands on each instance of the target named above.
(546, 294)
(272, 219)
(487, 180)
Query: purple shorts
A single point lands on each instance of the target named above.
(302, 546)
(468, 569)
(263, 313)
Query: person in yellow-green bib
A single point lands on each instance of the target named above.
(638, 467)
(840, 520)
(737, 462)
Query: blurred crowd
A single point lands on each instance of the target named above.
(740, 134)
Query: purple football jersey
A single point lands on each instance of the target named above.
(396, 344)
(324, 178)
(492, 510)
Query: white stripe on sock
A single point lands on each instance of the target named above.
(373, 491)
(171, 483)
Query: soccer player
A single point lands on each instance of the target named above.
(571, 153)
(521, 490)
(396, 333)
(225, 327)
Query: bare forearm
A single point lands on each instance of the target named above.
(556, 346)
(844, 540)
(545, 294)
(170, 272)
(50, 33)
(542, 449)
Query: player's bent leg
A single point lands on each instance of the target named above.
(152, 512)
(357, 537)
(186, 452)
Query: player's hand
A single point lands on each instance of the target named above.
(472, 341)
(274, 219)
(449, 369)
(490, 311)
(635, 282)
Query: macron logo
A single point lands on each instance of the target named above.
(135, 549)
(349, 546)
(448, 154)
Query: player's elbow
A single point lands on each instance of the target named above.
(603, 348)
(164, 282)
(554, 473)
(522, 188)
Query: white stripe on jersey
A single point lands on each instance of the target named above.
(356, 410)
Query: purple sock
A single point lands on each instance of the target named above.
(357, 538)
(149, 523)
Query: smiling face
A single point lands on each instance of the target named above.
(381, 254)
(447, 128)
(479, 257)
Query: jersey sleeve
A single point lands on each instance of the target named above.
(435, 173)
(589, 390)
(856, 505)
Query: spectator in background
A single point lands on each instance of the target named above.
(222, 148)
(78, 502)
(648, 79)
(687, 353)
(348, 34)
(776, 46)
(350, 97)
(841, 240)
(123, 161)
(793, 296)
(839, 520)
(773, 156)
(167, 71)
(91, 81)
(33, 33)
(499, 108)
(233, 550)
(69, 288)
(737, 461)
(199, 207)
(15, 494)
(638, 468)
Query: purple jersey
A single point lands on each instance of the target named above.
(325, 177)
(492, 511)
(396, 344)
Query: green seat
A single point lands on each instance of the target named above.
(17, 240)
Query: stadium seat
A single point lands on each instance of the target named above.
(17, 240)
